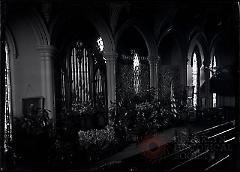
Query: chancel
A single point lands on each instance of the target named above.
(119, 85)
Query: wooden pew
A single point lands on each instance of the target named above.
(215, 148)
(193, 157)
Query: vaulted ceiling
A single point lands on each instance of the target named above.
(155, 17)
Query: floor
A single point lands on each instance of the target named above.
(137, 148)
(160, 139)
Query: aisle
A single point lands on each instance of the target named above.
(161, 138)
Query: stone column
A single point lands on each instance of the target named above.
(208, 95)
(48, 54)
(111, 58)
(154, 67)
(152, 72)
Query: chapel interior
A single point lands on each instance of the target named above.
(118, 85)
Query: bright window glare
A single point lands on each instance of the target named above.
(194, 77)
(136, 69)
(213, 65)
(100, 44)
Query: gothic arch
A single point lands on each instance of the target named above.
(171, 53)
(196, 30)
(168, 45)
(102, 29)
(177, 37)
(95, 19)
(164, 34)
(39, 27)
(212, 46)
(12, 55)
(11, 43)
(199, 40)
(166, 21)
(148, 38)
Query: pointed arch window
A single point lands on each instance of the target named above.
(213, 66)
(195, 79)
(194, 73)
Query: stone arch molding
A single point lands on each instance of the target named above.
(150, 42)
(11, 44)
(44, 37)
(13, 54)
(212, 46)
(178, 37)
(199, 40)
(95, 19)
(164, 34)
(166, 21)
(147, 36)
(102, 28)
(39, 27)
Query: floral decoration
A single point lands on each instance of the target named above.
(99, 138)
(83, 108)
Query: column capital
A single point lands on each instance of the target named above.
(112, 56)
(153, 59)
(47, 51)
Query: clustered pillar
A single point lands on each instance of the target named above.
(48, 54)
(111, 58)
(154, 67)
(207, 87)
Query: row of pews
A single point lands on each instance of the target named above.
(210, 150)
